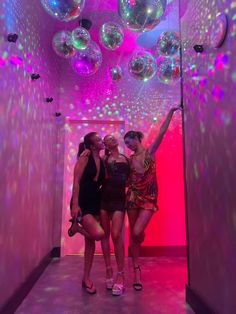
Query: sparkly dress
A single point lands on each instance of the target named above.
(113, 189)
(142, 190)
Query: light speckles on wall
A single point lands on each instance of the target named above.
(27, 141)
(209, 100)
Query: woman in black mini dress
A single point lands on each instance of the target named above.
(89, 174)
(113, 211)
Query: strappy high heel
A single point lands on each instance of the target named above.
(109, 281)
(74, 221)
(118, 288)
(138, 286)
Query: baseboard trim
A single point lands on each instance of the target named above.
(198, 305)
(21, 292)
(56, 252)
(171, 251)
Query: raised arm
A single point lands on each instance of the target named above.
(78, 172)
(164, 127)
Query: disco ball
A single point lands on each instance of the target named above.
(80, 38)
(168, 70)
(62, 44)
(116, 73)
(111, 36)
(86, 62)
(168, 43)
(142, 66)
(63, 10)
(141, 15)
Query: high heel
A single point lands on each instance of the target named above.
(71, 231)
(89, 289)
(118, 288)
(138, 286)
(109, 281)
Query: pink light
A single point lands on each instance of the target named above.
(16, 60)
(221, 60)
(2, 62)
(217, 93)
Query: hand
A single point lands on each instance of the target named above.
(86, 153)
(180, 107)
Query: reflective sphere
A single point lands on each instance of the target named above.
(141, 15)
(62, 44)
(143, 66)
(111, 36)
(116, 73)
(80, 38)
(168, 43)
(86, 62)
(63, 10)
(168, 70)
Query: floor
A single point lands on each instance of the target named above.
(59, 289)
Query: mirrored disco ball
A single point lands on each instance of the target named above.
(86, 62)
(142, 66)
(116, 73)
(168, 69)
(141, 15)
(168, 43)
(62, 44)
(80, 38)
(111, 36)
(63, 10)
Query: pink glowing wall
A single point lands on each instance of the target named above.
(142, 105)
(27, 141)
(210, 116)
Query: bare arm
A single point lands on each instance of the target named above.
(78, 172)
(164, 127)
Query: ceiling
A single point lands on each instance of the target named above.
(100, 12)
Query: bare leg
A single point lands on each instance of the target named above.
(105, 242)
(117, 237)
(138, 220)
(92, 226)
(88, 260)
(134, 245)
(78, 228)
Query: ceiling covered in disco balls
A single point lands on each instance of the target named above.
(130, 39)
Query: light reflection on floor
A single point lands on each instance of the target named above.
(59, 289)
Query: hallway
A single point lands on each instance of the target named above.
(58, 291)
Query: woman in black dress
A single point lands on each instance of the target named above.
(113, 210)
(89, 173)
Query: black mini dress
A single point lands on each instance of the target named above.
(113, 189)
(89, 198)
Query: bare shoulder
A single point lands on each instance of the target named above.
(81, 163)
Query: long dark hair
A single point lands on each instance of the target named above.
(134, 134)
(87, 143)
